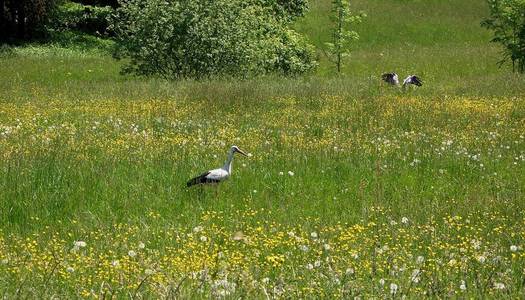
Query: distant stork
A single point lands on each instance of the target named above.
(393, 79)
(390, 78)
(217, 175)
(412, 79)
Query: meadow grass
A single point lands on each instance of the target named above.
(354, 189)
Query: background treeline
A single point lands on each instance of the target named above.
(202, 38)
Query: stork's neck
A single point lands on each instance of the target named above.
(228, 164)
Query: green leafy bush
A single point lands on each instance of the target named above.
(204, 38)
(507, 20)
(85, 18)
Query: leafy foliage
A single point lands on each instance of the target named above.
(507, 20)
(23, 19)
(205, 38)
(85, 18)
(112, 3)
(342, 35)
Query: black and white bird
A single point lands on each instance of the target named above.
(390, 78)
(217, 175)
(412, 79)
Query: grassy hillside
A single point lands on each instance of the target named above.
(354, 189)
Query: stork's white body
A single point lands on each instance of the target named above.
(217, 175)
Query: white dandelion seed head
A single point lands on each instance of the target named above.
(481, 259)
(313, 235)
(291, 173)
(203, 238)
(499, 286)
(132, 253)
(350, 271)
(393, 288)
(420, 259)
(70, 269)
(309, 266)
(115, 263)
(304, 248)
(317, 263)
(327, 247)
(404, 220)
(79, 244)
(142, 245)
(149, 272)
(463, 285)
(381, 281)
(513, 248)
(198, 229)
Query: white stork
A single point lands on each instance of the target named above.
(390, 78)
(217, 175)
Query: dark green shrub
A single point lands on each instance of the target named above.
(204, 38)
(112, 3)
(85, 18)
(507, 20)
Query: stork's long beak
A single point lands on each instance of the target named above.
(242, 152)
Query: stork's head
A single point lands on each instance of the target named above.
(236, 149)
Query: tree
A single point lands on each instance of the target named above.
(203, 38)
(342, 34)
(23, 19)
(507, 20)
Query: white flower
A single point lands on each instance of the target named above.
(499, 286)
(327, 247)
(393, 288)
(309, 266)
(132, 253)
(198, 229)
(115, 263)
(404, 220)
(381, 281)
(317, 263)
(79, 244)
(142, 245)
(281, 173)
(149, 272)
(350, 271)
(70, 270)
(203, 238)
(304, 248)
(265, 280)
(393, 223)
(482, 259)
(314, 235)
(463, 285)
(250, 155)
(291, 234)
(255, 191)
(291, 173)
(420, 259)
(513, 248)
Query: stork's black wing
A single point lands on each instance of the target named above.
(388, 77)
(198, 180)
(417, 81)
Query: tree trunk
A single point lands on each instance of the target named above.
(2, 20)
(21, 20)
